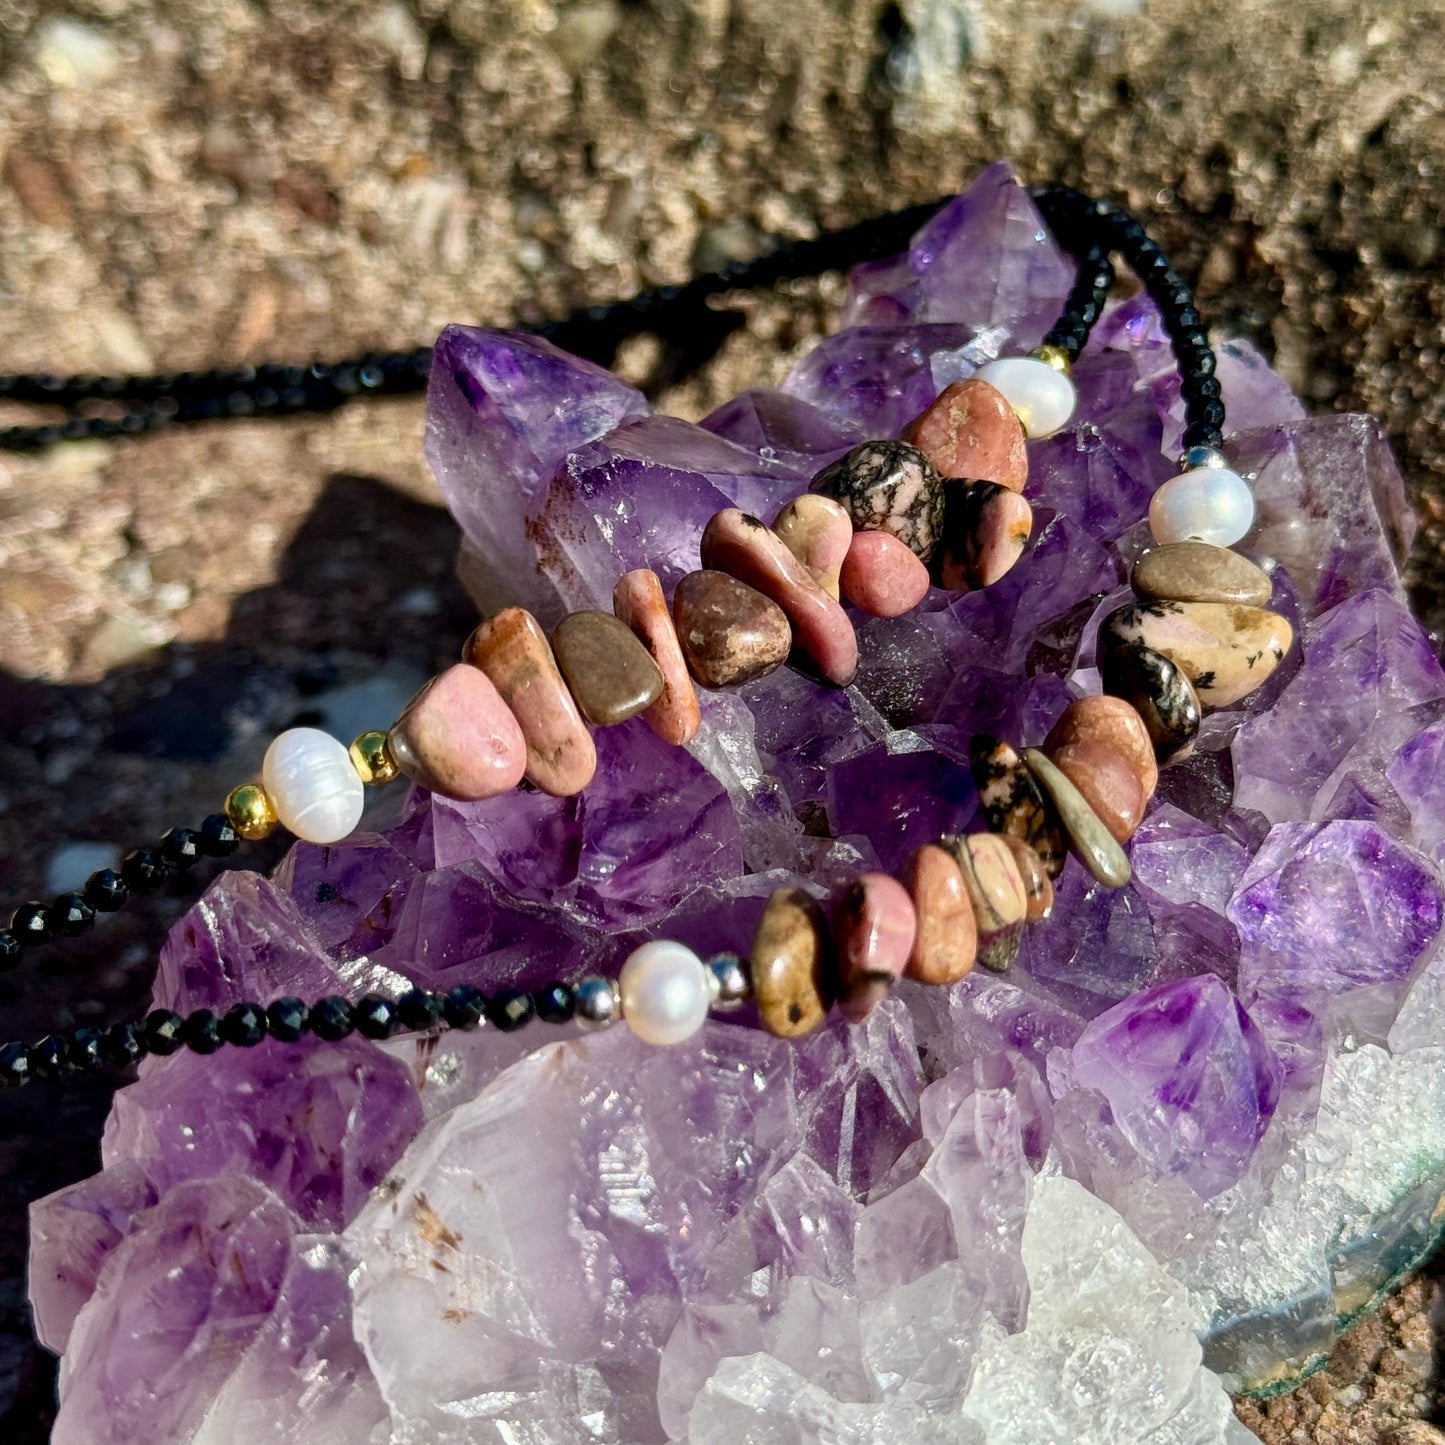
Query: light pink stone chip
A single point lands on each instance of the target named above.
(818, 531)
(874, 925)
(638, 601)
(458, 738)
(882, 576)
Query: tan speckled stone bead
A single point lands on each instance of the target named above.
(946, 943)
(1037, 886)
(1111, 723)
(513, 651)
(1199, 572)
(639, 601)
(792, 964)
(1093, 844)
(609, 671)
(729, 632)
(996, 890)
(818, 532)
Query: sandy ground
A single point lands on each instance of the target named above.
(186, 183)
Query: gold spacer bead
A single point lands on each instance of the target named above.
(1053, 356)
(372, 758)
(250, 811)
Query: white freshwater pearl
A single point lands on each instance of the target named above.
(665, 992)
(313, 785)
(1043, 398)
(1208, 504)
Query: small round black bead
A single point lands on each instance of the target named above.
(181, 847)
(218, 838)
(10, 950)
(1209, 411)
(71, 915)
(33, 924)
(86, 1050)
(123, 1044)
(162, 1031)
(375, 1017)
(554, 1003)
(244, 1025)
(509, 1008)
(1205, 387)
(331, 1019)
(105, 891)
(14, 1066)
(144, 870)
(201, 1032)
(1187, 318)
(1201, 434)
(420, 1009)
(464, 1007)
(48, 1058)
(288, 1019)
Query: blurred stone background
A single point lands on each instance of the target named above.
(186, 183)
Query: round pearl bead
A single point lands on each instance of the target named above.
(1043, 398)
(313, 785)
(1209, 504)
(665, 994)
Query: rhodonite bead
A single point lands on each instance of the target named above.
(792, 966)
(946, 942)
(985, 530)
(1225, 650)
(1043, 398)
(609, 671)
(996, 891)
(973, 431)
(513, 651)
(1110, 723)
(313, 786)
(458, 738)
(1093, 844)
(729, 632)
(1199, 572)
(1108, 782)
(817, 531)
(1038, 888)
(1208, 504)
(874, 926)
(881, 576)
(742, 546)
(1162, 696)
(664, 991)
(888, 486)
(1013, 802)
(638, 601)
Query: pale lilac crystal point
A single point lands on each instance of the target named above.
(777, 427)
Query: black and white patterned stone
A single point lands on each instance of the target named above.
(1014, 804)
(1158, 691)
(888, 486)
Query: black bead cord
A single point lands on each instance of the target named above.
(244, 1025)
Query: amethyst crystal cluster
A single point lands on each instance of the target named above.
(1199, 1122)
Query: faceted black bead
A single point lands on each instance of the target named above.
(181, 847)
(1201, 434)
(14, 1066)
(331, 1019)
(105, 891)
(554, 1003)
(123, 1044)
(71, 915)
(10, 950)
(1210, 411)
(162, 1031)
(144, 870)
(288, 1019)
(464, 1007)
(1205, 387)
(1187, 318)
(33, 924)
(218, 838)
(375, 1016)
(509, 1008)
(420, 1009)
(201, 1032)
(244, 1025)
(48, 1058)
(86, 1051)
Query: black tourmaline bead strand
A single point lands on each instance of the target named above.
(1085, 303)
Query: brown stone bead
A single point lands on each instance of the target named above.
(1037, 887)
(611, 676)
(729, 632)
(513, 651)
(973, 431)
(638, 599)
(1112, 723)
(946, 943)
(996, 890)
(1108, 784)
(794, 976)
(1014, 804)
(1199, 572)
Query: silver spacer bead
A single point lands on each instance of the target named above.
(1194, 458)
(728, 983)
(598, 1002)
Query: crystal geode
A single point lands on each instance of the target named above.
(1192, 1133)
